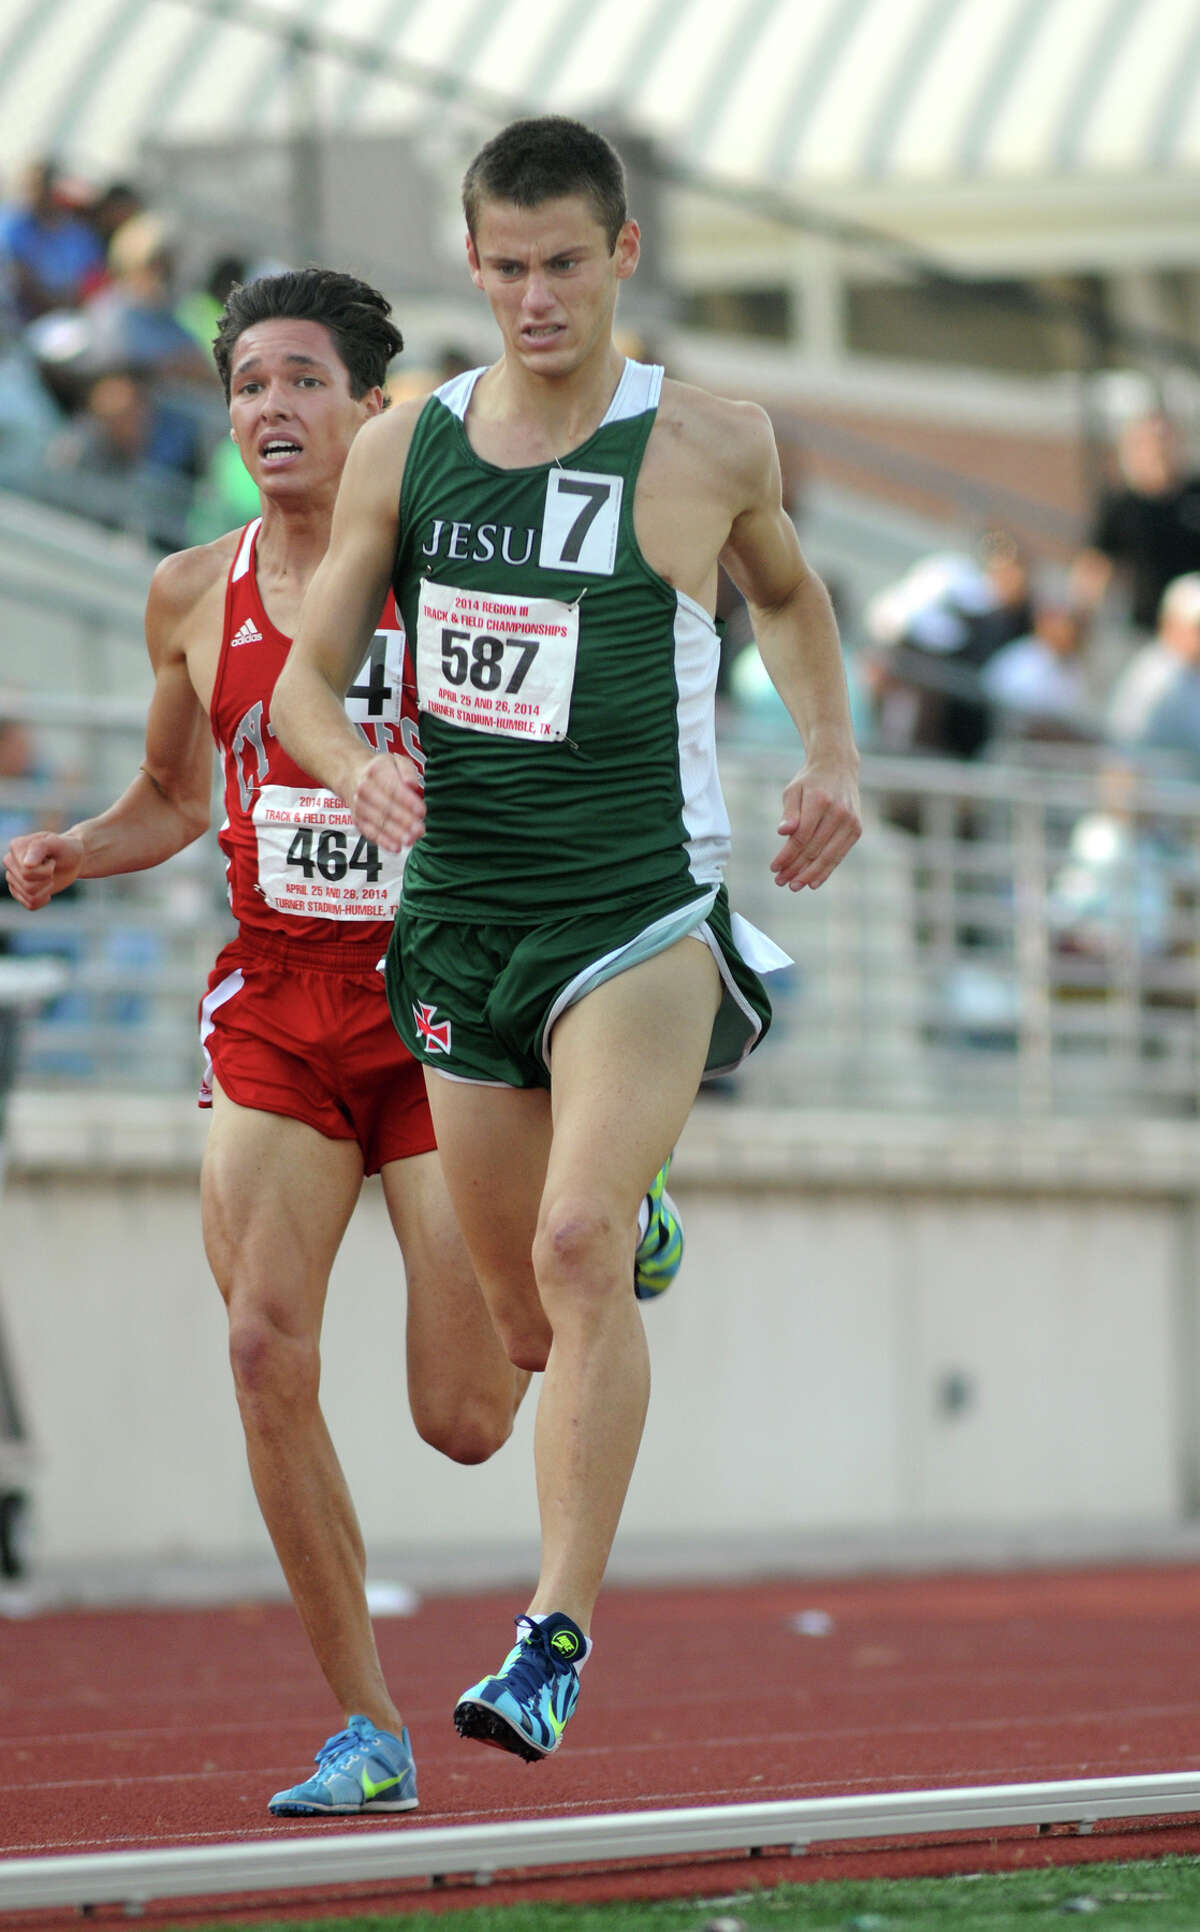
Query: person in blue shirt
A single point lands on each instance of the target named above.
(54, 257)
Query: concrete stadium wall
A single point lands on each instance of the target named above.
(884, 1328)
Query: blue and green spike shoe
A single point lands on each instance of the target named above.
(358, 1769)
(660, 1250)
(524, 1708)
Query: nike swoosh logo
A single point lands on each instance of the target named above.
(557, 1724)
(371, 1790)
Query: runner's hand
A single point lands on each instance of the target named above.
(39, 864)
(388, 805)
(820, 823)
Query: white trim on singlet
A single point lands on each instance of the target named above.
(456, 394)
(241, 563)
(705, 819)
(637, 391)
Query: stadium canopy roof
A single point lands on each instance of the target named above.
(801, 96)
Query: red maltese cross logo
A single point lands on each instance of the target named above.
(436, 1038)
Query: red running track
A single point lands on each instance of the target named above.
(150, 1728)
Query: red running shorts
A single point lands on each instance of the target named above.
(294, 1031)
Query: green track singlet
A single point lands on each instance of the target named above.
(566, 689)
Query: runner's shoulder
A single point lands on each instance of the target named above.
(187, 593)
(182, 579)
(736, 436)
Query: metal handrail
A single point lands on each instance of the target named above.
(954, 959)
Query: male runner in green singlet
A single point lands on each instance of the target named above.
(565, 961)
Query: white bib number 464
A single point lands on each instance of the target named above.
(313, 861)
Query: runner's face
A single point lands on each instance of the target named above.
(551, 279)
(292, 414)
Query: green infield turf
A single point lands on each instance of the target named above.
(1162, 1895)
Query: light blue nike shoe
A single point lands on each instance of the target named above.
(660, 1250)
(524, 1708)
(358, 1769)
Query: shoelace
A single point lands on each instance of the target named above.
(527, 1673)
(334, 1746)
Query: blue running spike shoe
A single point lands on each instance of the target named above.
(524, 1708)
(358, 1769)
(660, 1250)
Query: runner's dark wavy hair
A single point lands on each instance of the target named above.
(537, 160)
(356, 315)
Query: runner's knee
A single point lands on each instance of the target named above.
(577, 1252)
(467, 1430)
(271, 1362)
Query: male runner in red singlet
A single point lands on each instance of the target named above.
(309, 1085)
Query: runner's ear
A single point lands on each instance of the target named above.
(627, 250)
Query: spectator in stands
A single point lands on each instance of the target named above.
(1119, 882)
(1154, 707)
(200, 309)
(53, 256)
(132, 323)
(128, 325)
(111, 206)
(29, 417)
(930, 636)
(57, 346)
(1148, 528)
(1008, 611)
(143, 450)
(1037, 685)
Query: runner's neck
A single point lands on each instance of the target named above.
(542, 418)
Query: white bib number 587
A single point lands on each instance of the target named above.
(487, 661)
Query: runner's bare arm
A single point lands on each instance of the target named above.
(797, 638)
(167, 804)
(341, 609)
